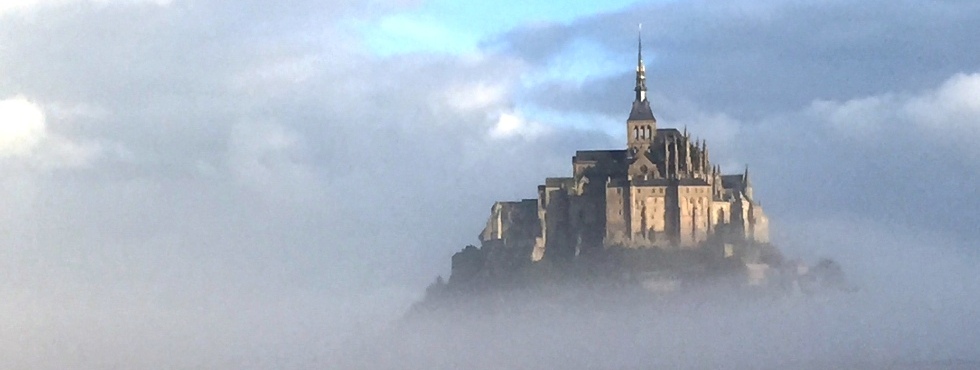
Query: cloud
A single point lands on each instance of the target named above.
(21, 126)
(510, 125)
(753, 59)
(947, 114)
(885, 155)
(24, 137)
(243, 182)
(22, 6)
(950, 113)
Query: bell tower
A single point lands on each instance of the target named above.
(641, 127)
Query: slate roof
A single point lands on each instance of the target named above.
(600, 155)
(692, 182)
(641, 111)
(731, 181)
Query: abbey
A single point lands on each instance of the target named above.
(661, 191)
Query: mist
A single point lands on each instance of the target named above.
(207, 184)
(912, 304)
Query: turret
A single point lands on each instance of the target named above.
(687, 154)
(704, 157)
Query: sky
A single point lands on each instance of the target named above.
(247, 183)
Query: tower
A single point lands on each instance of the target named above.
(641, 126)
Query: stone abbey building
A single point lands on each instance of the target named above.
(661, 191)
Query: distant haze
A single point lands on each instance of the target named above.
(254, 185)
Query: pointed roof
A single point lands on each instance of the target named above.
(641, 79)
(641, 111)
(641, 106)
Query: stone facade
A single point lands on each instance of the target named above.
(661, 191)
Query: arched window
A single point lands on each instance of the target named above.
(636, 132)
(721, 216)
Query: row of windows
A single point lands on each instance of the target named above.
(642, 132)
(661, 190)
(697, 200)
(619, 191)
(720, 218)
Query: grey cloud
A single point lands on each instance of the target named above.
(749, 58)
(752, 77)
(265, 187)
(256, 181)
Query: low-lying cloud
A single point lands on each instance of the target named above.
(244, 185)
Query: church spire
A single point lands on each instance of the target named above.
(641, 72)
(641, 116)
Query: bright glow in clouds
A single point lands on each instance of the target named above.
(476, 96)
(24, 134)
(13, 5)
(511, 124)
(21, 126)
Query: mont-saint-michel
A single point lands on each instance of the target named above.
(658, 213)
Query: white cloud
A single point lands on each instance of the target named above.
(22, 126)
(953, 107)
(512, 124)
(24, 135)
(948, 114)
(854, 118)
(311, 169)
(7, 6)
(476, 96)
